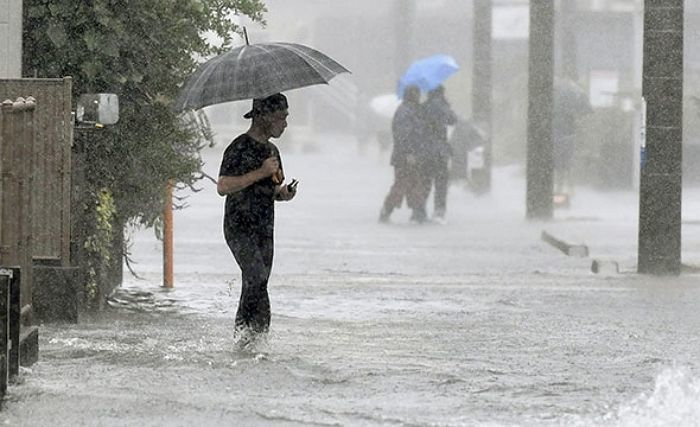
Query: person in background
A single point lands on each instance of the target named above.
(570, 104)
(465, 137)
(408, 131)
(251, 177)
(438, 115)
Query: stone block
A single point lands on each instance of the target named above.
(57, 293)
(28, 345)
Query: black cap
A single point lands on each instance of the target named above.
(267, 105)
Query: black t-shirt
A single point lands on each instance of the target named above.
(251, 210)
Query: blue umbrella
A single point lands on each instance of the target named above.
(428, 73)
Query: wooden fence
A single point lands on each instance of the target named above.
(16, 158)
(51, 165)
(51, 284)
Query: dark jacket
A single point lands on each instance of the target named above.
(570, 103)
(408, 129)
(438, 115)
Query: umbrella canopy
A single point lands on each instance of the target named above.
(385, 105)
(428, 73)
(256, 71)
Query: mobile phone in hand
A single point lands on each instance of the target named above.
(292, 186)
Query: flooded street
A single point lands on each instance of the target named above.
(476, 322)
(577, 123)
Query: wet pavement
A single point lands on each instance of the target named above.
(476, 322)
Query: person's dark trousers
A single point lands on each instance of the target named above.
(442, 177)
(253, 253)
(405, 180)
(420, 192)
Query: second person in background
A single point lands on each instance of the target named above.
(437, 115)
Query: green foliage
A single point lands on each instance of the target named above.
(98, 245)
(142, 51)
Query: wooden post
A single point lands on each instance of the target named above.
(168, 280)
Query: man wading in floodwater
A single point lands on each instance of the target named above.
(251, 178)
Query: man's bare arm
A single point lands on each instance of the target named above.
(232, 184)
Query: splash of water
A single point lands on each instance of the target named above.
(675, 401)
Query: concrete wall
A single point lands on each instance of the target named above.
(10, 38)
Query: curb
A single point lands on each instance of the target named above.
(605, 267)
(577, 250)
(598, 266)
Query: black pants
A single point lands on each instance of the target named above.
(407, 185)
(253, 253)
(441, 177)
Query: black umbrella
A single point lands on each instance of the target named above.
(256, 71)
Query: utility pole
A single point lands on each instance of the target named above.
(482, 90)
(405, 11)
(660, 187)
(540, 106)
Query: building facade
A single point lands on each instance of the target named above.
(10, 38)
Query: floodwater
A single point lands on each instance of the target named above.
(474, 323)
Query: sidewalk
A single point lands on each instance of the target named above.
(607, 224)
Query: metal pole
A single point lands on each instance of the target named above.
(168, 281)
(540, 100)
(482, 89)
(660, 188)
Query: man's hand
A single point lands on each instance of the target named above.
(286, 192)
(270, 166)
